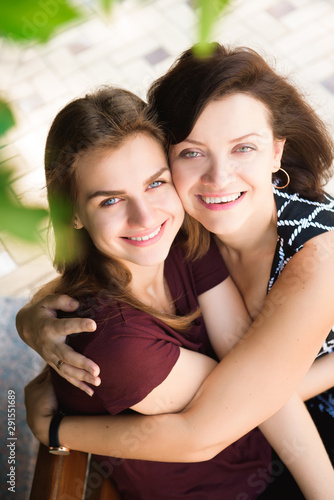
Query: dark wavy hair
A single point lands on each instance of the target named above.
(101, 120)
(191, 83)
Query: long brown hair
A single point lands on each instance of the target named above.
(182, 93)
(103, 119)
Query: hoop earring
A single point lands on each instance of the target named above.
(287, 179)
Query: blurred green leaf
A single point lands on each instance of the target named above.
(208, 13)
(107, 5)
(25, 20)
(23, 222)
(6, 117)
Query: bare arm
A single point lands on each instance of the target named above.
(266, 357)
(319, 378)
(291, 431)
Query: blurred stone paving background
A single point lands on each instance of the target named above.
(140, 42)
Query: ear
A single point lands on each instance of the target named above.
(278, 152)
(77, 224)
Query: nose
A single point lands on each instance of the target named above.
(220, 172)
(141, 213)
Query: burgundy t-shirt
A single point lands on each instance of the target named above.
(136, 352)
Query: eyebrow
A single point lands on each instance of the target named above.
(111, 194)
(199, 143)
(192, 141)
(237, 139)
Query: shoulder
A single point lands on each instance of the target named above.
(300, 219)
(119, 324)
(134, 351)
(204, 273)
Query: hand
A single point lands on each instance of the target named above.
(41, 404)
(39, 327)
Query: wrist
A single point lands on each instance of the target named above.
(54, 445)
(63, 431)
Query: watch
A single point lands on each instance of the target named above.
(54, 446)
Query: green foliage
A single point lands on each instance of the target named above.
(6, 118)
(107, 5)
(209, 12)
(20, 221)
(37, 20)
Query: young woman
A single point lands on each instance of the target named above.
(213, 437)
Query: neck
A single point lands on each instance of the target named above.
(150, 287)
(146, 279)
(257, 237)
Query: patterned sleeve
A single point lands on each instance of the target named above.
(299, 219)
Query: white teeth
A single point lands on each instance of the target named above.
(223, 199)
(148, 237)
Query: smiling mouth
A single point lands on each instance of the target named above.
(222, 199)
(147, 237)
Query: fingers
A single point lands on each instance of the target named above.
(61, 302)
(71, 373)
(81, 385)
(77, 369)
(76, 325)
(54, 327)
(78, 377)
(76, 360)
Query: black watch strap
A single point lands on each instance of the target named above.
(54, 446)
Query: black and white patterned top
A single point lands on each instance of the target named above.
(299, 220)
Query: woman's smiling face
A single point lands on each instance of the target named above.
(223, 169)
(127, 202)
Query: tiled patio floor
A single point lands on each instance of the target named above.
(139, 44)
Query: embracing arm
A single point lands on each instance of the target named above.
(213, 419)
(319, 378)
(291, 431)
(38, 326)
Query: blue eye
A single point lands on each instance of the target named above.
(155, 184)
(111, 201)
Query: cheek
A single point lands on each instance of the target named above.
(103, 226)
(171, 202)
(179, 210)
(182, 181)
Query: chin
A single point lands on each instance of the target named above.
(220, 229)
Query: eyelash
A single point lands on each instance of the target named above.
(249, 148)
(186, 154)
(156, 182)
(106, 204)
